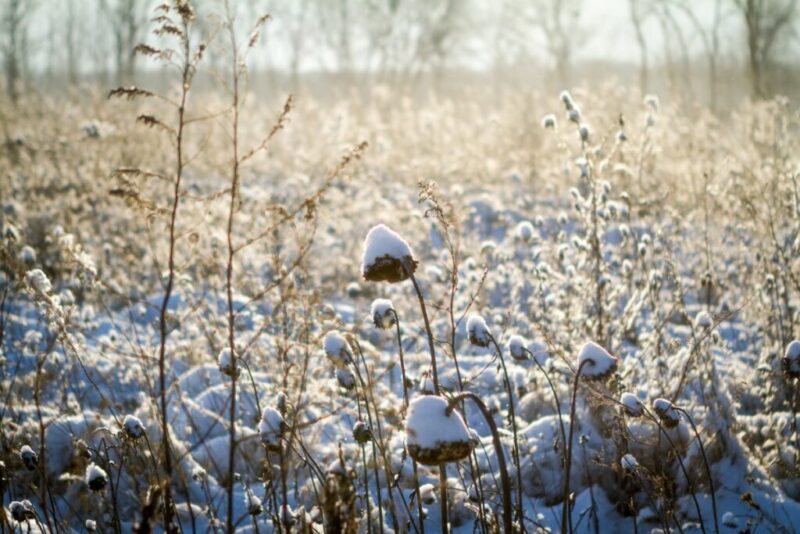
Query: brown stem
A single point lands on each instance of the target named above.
(428, 330)
(566, 513)
(229, 269)
(689, 483)
(512, 416)
(162, 319)
(421, 529)
(707, 466)
(498, 447)
(442, 468)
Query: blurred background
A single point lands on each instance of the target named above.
(715, 52)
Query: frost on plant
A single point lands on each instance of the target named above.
(478, 331)
(387, 257)
(433, 437)
(595, 362)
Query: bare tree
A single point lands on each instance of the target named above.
(639, 11)
(710, 38)
(674, 39)
(72, 34)
(559, 21)
(13, 41)
(126, 18)
(766, 22)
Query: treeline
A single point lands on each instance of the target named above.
(68, 41)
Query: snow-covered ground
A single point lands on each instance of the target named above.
(649, 303)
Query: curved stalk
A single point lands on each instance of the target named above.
(434, 371)
(498, 446)
(689, 483)
(421, 522)
(707, 466)
(566, 512)
(555, 394)
(512, 416)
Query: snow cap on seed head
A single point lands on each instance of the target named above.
(271, 428)
(29, 457)
(629, 462)
(517, 347)
(667, 412)
(22, 511)
(434, 436)
(253, 503)
(703, 320)
(478, 331)
(791, 360)
(383, 313)
(387, 256)
(225, 364)
(133, 427)
(596, 361)
(632, 405)
(345, 378)
(337, 349)
(96, 477)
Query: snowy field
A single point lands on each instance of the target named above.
(614, 306)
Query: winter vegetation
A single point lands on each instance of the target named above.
(404, 307)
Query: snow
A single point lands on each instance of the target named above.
(632, 405)
(337, 349)
(729, 520)
(433, 437)
(383, 313)
(478, 331)
(595, 361)
(387, 256)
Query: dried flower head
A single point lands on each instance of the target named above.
(337, 349)
(96, 477)
(595, 362)
(668, 413)
(791, 360)
(387, 256)
(517, 348)
(133, 427)
(361, 432)
(433, 436)
(631, 404)
(271, 428)
(478, 331)
(383, 314)
(225, 363)
(29, 457)
(22, 511)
